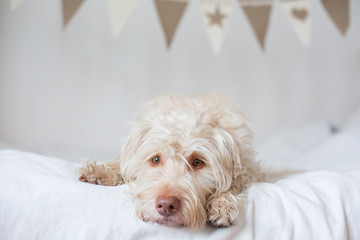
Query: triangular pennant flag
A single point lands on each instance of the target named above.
(216, 15)
(14, 4)
(170, 13)
(338, 11)
(299, 14)
(258, 13)
(70, 7)
(119, 12)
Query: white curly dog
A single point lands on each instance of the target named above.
(187, 160)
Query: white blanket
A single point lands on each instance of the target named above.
(40, 198)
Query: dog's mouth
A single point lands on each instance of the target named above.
(171, 221)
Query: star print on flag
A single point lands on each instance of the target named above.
(216, 15)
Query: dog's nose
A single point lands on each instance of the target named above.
(167, 206)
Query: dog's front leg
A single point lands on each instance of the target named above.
(103, 174)
(223, 209)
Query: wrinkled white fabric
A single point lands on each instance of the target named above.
(40, 197)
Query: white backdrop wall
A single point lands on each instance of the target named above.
(70, 92)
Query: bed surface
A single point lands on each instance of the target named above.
(40, 197)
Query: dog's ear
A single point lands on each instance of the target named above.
(233, 163)
(234, 141)
(129, 159)
(135, 139)
(234, 172)
(224, 160)
(237, 137)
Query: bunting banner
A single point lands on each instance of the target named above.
(258, 14)
(119, 12)
(216, 15)
(14, 4)
(299, 14)
(338, 11)
(170, 13)
(70, 7)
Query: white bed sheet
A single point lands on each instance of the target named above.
(40, 197)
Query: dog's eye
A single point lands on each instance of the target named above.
(197, 162)
(156, 160)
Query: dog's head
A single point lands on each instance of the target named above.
(180, 152)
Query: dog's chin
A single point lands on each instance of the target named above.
(169, 221)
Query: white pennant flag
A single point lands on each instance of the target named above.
(14, 4)
(119, 12)
(216, 15)
(299, 14)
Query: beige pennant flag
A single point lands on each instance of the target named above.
(216, 15)
(299, 14)
(70, 7)
(119, 12)
(258, 14)
(14, 4)
(170, 13)
(338, 11)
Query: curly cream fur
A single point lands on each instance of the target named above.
(102, 174)
(178, 128)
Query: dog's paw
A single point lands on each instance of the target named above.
(90, 173)
(100, 174)
(89, 179)
(224, 209)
